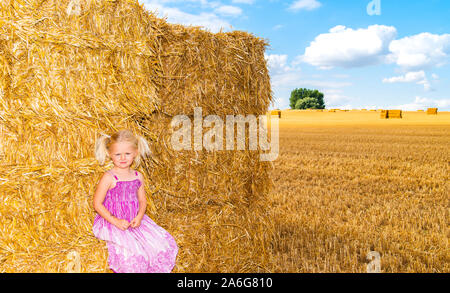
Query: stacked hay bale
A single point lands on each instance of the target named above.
(432, 111)
(68, 75)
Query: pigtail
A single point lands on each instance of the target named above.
(101, 151)
(143, 149)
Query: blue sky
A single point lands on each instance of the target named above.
(358, 53)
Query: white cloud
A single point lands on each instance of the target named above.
(282, 75)
(323, 84)
(334, 98)
(345, 47)
(409, 77)
(370, 107)
(283, 78)
(243, 1)
(305, 5)
(209, 20)
(418, 77)
(343, 76)
(420, 51)
(277, 63)
(228, 10)
(287, 76)
(424, 103)
(202, 3)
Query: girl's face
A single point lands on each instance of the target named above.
(122, 154)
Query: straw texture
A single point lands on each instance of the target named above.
(72, 70)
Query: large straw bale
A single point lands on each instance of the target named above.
(389, 114)
(394, 114)
(67, 78)
(432, 111)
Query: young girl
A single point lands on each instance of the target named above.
(135, 243)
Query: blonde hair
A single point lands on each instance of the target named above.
(104, 143)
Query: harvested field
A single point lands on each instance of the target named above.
(349, 183)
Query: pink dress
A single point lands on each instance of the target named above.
(145, 249)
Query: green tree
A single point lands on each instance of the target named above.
(300, 94)
(307, 103)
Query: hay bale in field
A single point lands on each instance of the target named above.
(432, 111)
(420, 110)
(68, 75)
(388, 114)
(276, 113)
(333, 110)
(394, 114)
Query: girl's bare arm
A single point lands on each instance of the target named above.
(99, 196)
(141, 198)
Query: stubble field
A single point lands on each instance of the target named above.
(347, 183)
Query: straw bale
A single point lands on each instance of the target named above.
(276, 113)
(394, 114)
(389, 114)
(65, 78)
(432, 111)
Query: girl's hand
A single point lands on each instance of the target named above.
(122, 224)
(136, 222)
